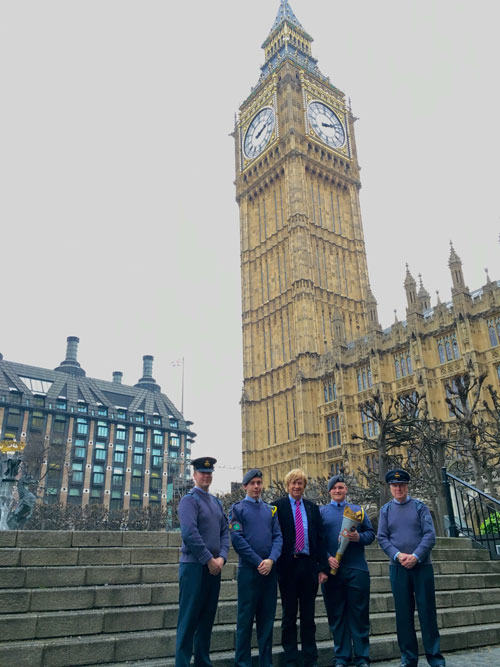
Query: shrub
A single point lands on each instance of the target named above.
(491, 524)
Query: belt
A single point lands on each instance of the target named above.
(301, 556)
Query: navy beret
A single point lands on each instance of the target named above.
(204, 464)
(250, 475)
(397, 476)
(333, 480)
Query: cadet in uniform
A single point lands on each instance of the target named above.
(347, 593)
(205, 545)
(256, 537)
(406, 534)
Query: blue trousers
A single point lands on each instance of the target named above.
(198, 597)
(347, 602)
(256, 599)
(408, 587)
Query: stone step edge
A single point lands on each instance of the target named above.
(224, 603)
(228, 603)
(215, 656)
(172, 565)
(370, 549)
(173, 584)
(225, 627)
(144, 634)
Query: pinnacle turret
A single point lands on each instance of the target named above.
(371, 310)
(410, 286)
(424, 298)
(288, 40)
(457, 276)
(285, 13)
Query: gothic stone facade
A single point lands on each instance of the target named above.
(312, 346)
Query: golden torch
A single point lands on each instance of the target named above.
(350, 522)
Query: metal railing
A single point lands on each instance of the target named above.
(472, 513)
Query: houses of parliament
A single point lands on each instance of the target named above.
(313, 347)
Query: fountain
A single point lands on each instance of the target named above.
(14, 515)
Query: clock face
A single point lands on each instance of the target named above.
(259, 133)
(326, 124)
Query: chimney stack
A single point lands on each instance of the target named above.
(70, 364)
(117, 377)
(147, 380)
(147, 366)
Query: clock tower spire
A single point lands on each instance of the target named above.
(302, 247)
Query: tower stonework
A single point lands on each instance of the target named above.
(303, 260)
(314, 351)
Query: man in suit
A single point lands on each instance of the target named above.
(406, 534)
(302, 564)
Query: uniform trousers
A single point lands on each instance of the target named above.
(347, 602)
(408, 587)
(298, 583)
(257, 595)
(198, 597)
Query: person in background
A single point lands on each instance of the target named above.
(347, 593)
(205, 545)
(302, 564)
(406, 534)
(256, 538)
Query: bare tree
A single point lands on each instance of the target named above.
(491, 438)
(393, 436)
(463, 400)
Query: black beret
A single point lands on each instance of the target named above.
(397, 476)
(333, 480)
(204, 464)
(250, 475)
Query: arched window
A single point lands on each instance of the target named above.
(441, 353)
(396, 367)
(493, 336)
(448, 350)
(456, 351)
(403, 367)
(409, 365)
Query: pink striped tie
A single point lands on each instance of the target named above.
(299, 528)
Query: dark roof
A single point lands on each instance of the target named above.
(55, 384)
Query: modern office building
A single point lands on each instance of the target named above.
(99, 441)
(313, 349)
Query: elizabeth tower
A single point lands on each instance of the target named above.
(303, 261)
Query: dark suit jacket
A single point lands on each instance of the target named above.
(317, 548)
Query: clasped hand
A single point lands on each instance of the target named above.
(407, 560)
(215, 565)
(265, 566)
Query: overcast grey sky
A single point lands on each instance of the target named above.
(117, 204)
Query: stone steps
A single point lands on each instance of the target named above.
(135, 619)
(100, 575)
(155, 648)
(26, 600)
(70, 599)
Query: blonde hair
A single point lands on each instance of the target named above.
(293, 475)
